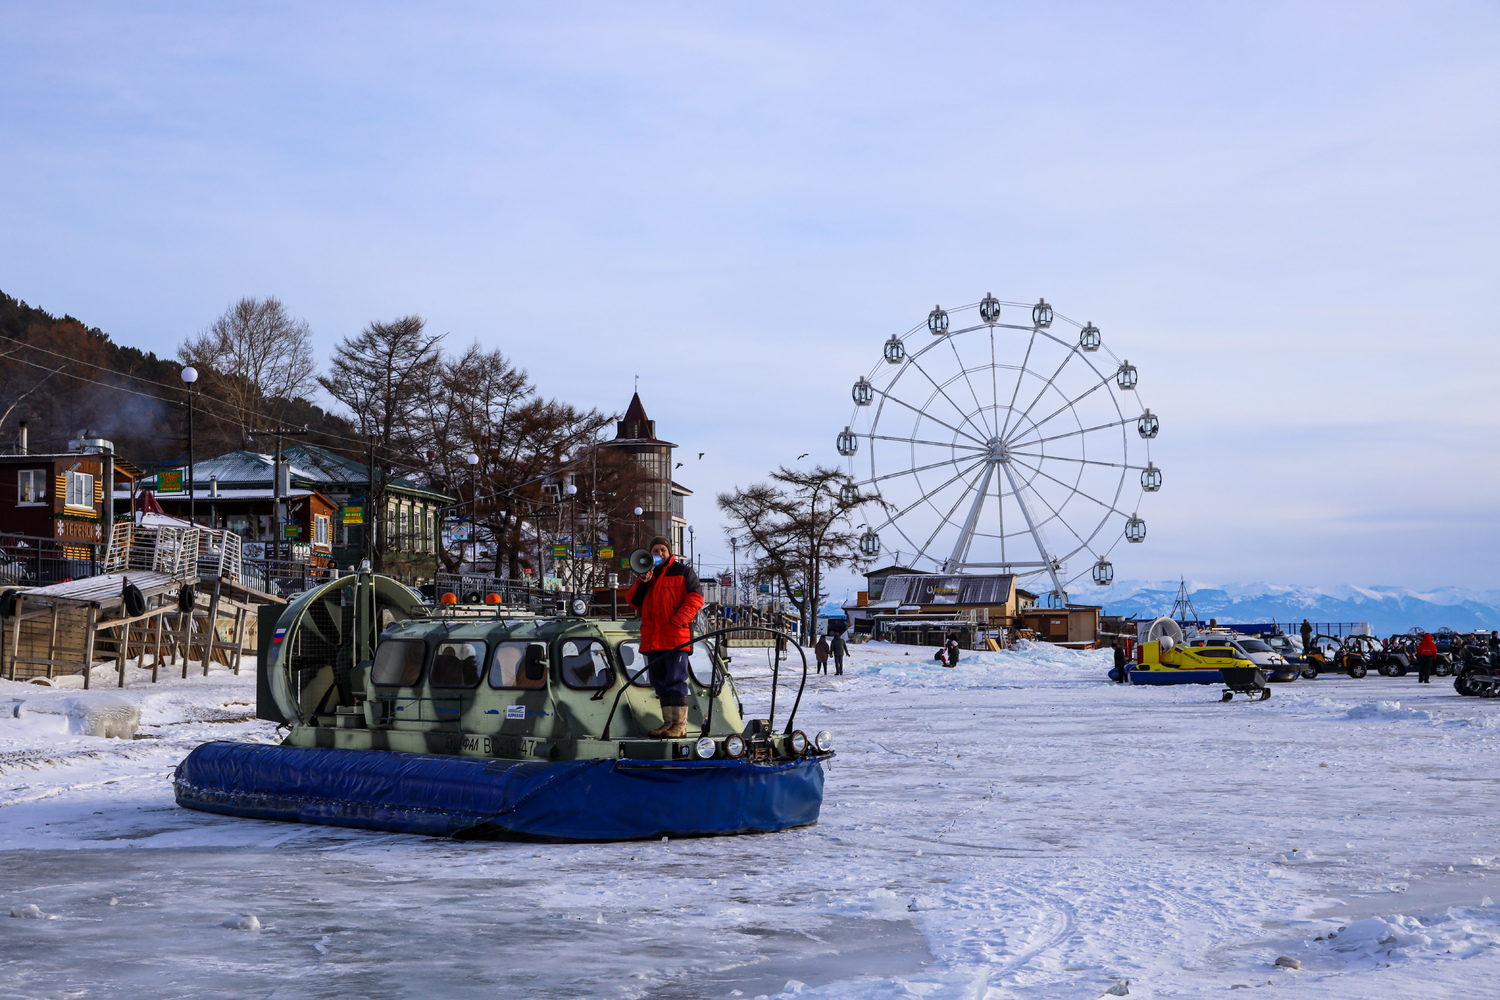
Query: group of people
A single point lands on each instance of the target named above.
(837, 648)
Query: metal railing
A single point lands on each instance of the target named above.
(29, 561)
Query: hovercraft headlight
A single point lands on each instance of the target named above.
(706, 748)
(580, 607)
(823, 741)
(734, 746)
(799, 743)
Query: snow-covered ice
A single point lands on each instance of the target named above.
(1013, 827)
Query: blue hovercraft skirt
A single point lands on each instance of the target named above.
(483, 798)
(1176, 677)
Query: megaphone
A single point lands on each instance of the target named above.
(642, 562)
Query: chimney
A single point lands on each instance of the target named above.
(21, 440)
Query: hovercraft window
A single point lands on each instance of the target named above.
(456, 664)
(630, 657)
(585, 665)
(508, 665)
(701, 663)
(398, 662)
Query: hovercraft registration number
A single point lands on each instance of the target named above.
(477, 744)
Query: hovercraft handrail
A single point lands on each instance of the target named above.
(775, 674)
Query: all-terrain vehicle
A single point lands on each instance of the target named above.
(1332, 654)
(1478, 674)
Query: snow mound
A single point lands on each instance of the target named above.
(104, 715)
(29, 912)
(1461, 931)
(1385, 710)
(242, 922)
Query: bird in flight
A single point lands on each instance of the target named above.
(802, 456)
(679, 465)
(701, 454)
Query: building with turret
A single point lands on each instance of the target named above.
(663, 509)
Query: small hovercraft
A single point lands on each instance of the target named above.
(1165, 658)
(492, 723)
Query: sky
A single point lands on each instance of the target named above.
(1285, 214)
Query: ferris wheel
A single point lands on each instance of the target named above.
(1006, 447)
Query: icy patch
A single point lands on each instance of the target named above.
(1386, 710)
(1025, 663)
(29, 912)
(243, 922)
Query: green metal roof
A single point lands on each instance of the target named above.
(311, 468)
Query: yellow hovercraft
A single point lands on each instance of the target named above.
(1164, 657)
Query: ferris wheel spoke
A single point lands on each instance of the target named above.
(1072, 490)
(907, 472)
(944, 393)
(1069, 404)
(1081, 461)
(1027, 412)
(1020, 375)
(935, 444)
(923, 498)
(948, 518)
(978, 406)
(1082, 430)
(922, 413)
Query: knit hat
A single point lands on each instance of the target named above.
(659, 540)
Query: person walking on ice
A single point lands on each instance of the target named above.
(840, 649)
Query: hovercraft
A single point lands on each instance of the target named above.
(1165, 658)
(499, 723)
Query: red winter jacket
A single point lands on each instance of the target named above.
(668, 604)
(1427, 647)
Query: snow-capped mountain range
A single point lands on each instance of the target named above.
(1387, 609)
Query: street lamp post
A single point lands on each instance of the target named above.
(473, 461)
(571, 489)
(190, 376)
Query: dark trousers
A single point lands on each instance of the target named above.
(822, 667)
(668, 672)
(1424, 668)
(838, 663)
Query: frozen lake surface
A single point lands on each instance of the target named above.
(1015, 827)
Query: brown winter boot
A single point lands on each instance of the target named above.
(674, 723)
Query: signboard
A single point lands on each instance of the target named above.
(291, 531)
(169, 482)
(585, 551)
(765, 588)
(354, 514)
(527, 570)
(559, 551)
(726, 580)
(606, 552)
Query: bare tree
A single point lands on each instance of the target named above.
(255, 358)
(800, 525)
(387, 375)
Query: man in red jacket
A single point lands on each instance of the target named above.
(1426, 657)
(669, 597)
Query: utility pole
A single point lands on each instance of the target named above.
(276, 491)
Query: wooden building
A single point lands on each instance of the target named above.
(60, 495)
(1077, 624)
